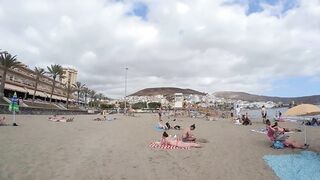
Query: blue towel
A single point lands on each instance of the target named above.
(305, 165)
(159, 129)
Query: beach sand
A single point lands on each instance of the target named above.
(86, 149)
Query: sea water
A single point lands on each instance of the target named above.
(255, 114)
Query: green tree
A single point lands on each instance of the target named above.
(107, 106)
(39, 72)
(7, 61)
(154, 105)
(70, 90)
(86, 92)
(139, 105)
(93, 97)
(55, 71)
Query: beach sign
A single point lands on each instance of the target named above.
(14, 107)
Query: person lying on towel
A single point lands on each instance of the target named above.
(176, 127)
(55, 118)
(166, 140)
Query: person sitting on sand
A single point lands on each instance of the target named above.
(187, 134)
(276, 134)
(245, 120)
(2, 121)
(313, 122)
(166, 140)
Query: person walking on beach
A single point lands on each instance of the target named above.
(238, 110)
(160, 113)
(264, 114)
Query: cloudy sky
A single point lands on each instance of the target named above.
(269, 47)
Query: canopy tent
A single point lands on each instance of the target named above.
(15, 88)
(302, 113)
(41, 94)
(30, 91)
(38, 93)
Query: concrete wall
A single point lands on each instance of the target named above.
(4, 109)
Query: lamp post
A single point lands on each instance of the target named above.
(125, 92)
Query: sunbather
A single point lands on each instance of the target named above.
(55, 118)
(166, 140)
(2, 121)
(176, 127)
(277, 134)
(99, 119)
(161, 126)
(245, 120)
(187, 135)
(313, 122)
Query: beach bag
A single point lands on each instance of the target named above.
(278, 145)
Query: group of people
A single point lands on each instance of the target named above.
(56, 118)
(312, 122)
(241, 119)
(187, 139)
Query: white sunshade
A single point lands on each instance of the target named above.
(14, 88)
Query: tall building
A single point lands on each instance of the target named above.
(69, 73)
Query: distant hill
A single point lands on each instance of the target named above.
(251, 97)
(165, 91)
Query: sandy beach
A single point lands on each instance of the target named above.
(84, 149)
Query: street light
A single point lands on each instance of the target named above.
(125, 92)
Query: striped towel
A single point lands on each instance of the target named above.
(158, 146)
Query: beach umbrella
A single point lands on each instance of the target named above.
(14, 107)
(304, 111)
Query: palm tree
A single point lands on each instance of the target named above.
(70, 90)
(92, 94)
(7, 61)
(55, 71)
(39, 72)
(86, 93)
(79, 88)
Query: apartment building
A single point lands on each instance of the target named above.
(22, 80)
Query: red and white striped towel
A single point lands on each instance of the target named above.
(159, 146)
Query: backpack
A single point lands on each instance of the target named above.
(278, 145)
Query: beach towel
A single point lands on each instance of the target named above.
(157, 145)
(305, 165)
(159, 129)
(261, 131)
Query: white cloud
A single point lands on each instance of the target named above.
(206, 45)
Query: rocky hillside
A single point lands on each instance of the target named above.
(165, 91)
(251, 97)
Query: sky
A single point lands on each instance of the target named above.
(266, 47)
